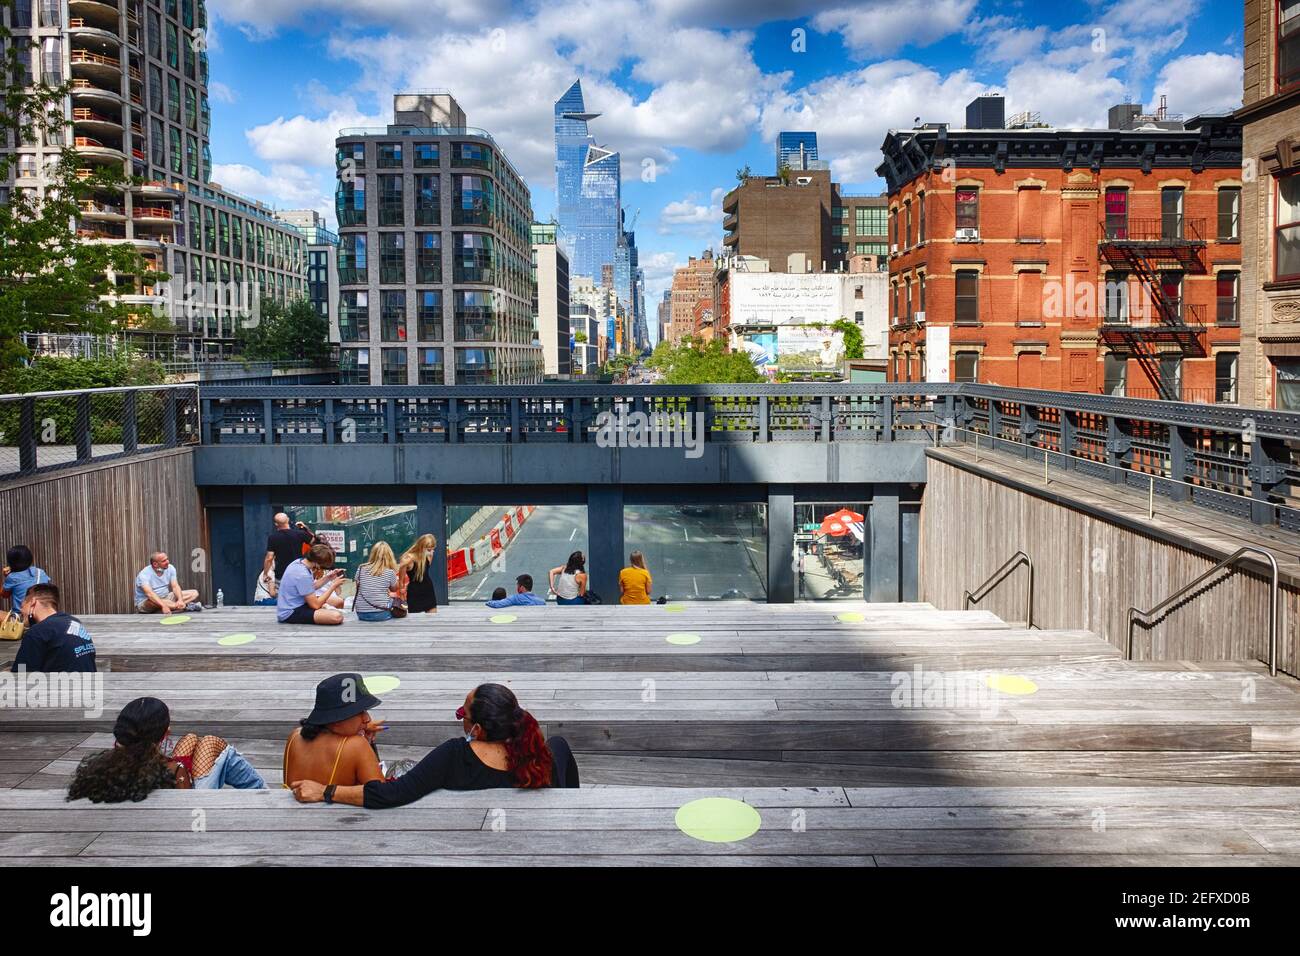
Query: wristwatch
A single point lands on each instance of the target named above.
(329, 792)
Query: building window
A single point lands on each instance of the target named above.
(870, 249)
(1225, 377)
(1117, 298)
(475, 366)
(920, 281)
(354, 366)
(430, 366)
(354, 316)
(352, 259)
(1171, 212)
(428, 264)
(871, 220)
(473, 262)
(1226, 308)
(429, 316)
(1029, 216)
(1029, 297)
(350, 202)
(920, 228)
(1114, 372)
(428, 200)
(909, 302)
(351, 156)
(1171, 376)
(173, 47)
(1117, 213)
(968, 208)
(426, 154)
(475, 318)
(472, 154)
(392, 258)
(1288, 43)
(1286, 252)
(1229, 213)
(967, 302)
(966, 367)
(392, 316)
(1171, 293)
(388, 156)
(907, 235)
(390, 201)
(1286, 387)
(394, 366)
(472, 203)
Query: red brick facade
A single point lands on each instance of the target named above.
(1031, 276)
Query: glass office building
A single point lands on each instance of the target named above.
(789, 146)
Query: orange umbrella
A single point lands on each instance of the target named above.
(838, 523)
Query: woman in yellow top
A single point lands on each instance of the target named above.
(634, 582)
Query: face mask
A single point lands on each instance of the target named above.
(469, 737)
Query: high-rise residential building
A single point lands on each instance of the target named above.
(137, 103)
(1266, 213)
(1092, 261)
(797, 150)
(322, 262)
(551, 300)
(435, 252)
(665, 317)
(600, 303)
(691, 283)
(588, 186)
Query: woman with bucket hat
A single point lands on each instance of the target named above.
(502, 746)
(335, 744)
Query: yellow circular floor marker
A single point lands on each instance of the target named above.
(1011, 684)
(381, 683)
(503, 618)
(175, 619)
(683, 639)
(851, 617)
(718, 820)
(674, 607)
(234, 640)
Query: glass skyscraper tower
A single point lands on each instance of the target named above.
(588, 189)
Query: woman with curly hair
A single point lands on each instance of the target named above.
(502, 747)
(144, 759)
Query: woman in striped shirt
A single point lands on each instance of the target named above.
(376, 585)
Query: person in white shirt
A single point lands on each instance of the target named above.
(158, 592)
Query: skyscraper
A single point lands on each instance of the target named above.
(795, 149)
(588, 187)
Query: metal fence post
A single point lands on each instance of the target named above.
(82, 431)
(169, 418)
(130, 427)
(27, 435)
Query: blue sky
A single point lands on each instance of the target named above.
(690, 92)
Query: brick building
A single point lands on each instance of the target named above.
(1270, 210)
(1091, 261)
(691, 283)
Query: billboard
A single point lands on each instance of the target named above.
(781, 298)
(761, 347)
(806, 348)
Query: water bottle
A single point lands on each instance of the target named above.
(221, 598)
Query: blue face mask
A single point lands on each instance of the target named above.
(469, 737)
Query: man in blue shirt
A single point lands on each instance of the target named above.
(54, 642)
(305, 600)
(523, 595)
(157, 591)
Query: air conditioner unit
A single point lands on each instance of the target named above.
(918, 318)
(968, 235)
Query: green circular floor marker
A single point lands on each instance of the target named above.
(175, 619)
(683, 639)
(234, 640)
(503, 618)
(851, 617)
(381, 683)
(718, 820)
(674, 607)
(1011, 684)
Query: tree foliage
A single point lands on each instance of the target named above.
(702, 363)
(285, 333)
(52, 279)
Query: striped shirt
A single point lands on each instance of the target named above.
(372, 590)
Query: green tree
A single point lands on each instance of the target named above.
(285, 333)
(743, 173)
(702, 363)
(52, 277)
(852, 338)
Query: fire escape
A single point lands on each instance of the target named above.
(1146, 249)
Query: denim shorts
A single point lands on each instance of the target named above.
(374, 615)
(576, 600)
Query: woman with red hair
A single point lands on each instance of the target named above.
(502, 747)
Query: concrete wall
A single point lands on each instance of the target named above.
(93, 528)
(1088, 573)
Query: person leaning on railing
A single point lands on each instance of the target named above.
(502, 747)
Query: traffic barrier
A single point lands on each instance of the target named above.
(509, 528)
(459, 563)
(495, 537)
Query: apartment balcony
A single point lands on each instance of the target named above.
(157, 189)
(730, 223)
(92, 209)
(152, 214)
(102, 231)
(731, 201)
(731, 239)
(97, 13)
(91, 121)
(96, 66)
(97, 31)
(95, 150)
(85, 91)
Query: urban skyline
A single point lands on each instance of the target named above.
(663, 101)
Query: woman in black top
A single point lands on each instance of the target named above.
(502, 747)
(414, 569)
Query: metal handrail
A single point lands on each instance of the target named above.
(997, 577)
(1177, 596)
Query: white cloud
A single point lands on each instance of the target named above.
(286, 187)
(303, 141)
(221, 93)
(690, 216)
(1201, 83)
(263, 18)
(880, 27)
